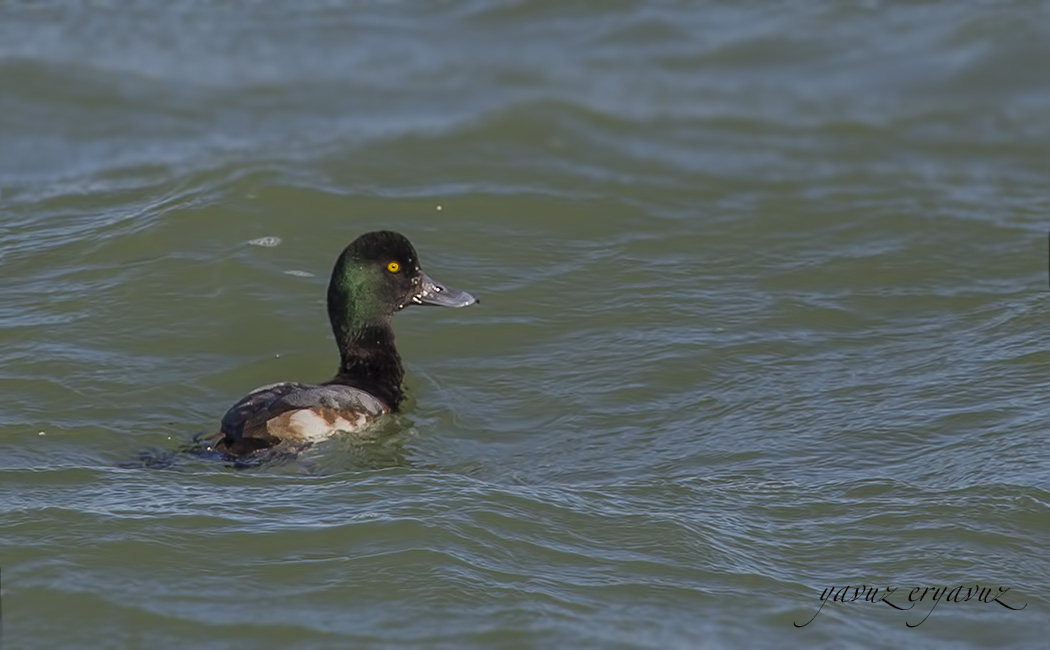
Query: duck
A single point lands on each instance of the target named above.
(377, 275)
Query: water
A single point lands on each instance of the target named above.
(764, 313)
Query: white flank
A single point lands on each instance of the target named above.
(313, 428)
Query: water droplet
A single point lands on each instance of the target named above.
(266, 242)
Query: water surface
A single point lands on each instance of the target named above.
(764, 313)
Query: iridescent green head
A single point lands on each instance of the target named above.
(377, 275)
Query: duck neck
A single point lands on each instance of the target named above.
(368, 360)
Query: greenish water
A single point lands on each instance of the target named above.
(764, 304)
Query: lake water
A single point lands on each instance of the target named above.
(764, 312)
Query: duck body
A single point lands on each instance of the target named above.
(377, 275)
(294, 415)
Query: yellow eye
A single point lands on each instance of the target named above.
(393, 267)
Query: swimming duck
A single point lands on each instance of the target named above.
(377, 275)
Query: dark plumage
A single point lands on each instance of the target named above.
(376, 275)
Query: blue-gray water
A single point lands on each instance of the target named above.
(764, 312)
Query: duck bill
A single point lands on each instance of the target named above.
(437, 294)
